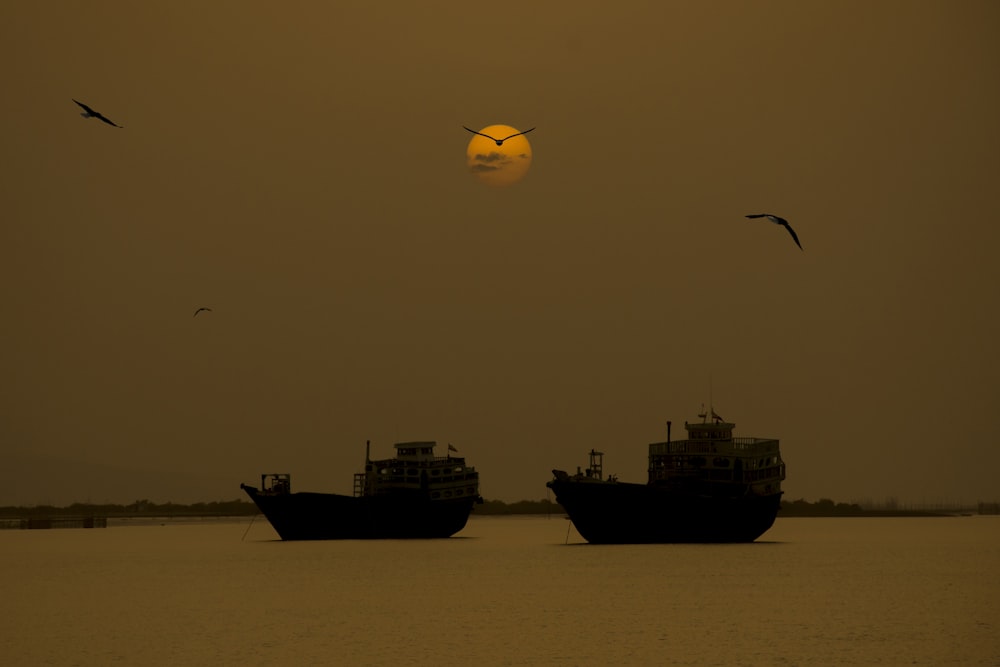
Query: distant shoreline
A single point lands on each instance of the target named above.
(240, 508)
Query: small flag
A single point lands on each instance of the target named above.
(716, 416)
(452, 449)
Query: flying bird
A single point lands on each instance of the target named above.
(779, 221)
(201, 309)
(499, 141)
(90, 113)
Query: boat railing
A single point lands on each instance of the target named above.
(776, 473)
(403, 478)
(731, 446)
(276, 483)
(715, 476)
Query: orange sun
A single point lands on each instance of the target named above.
(501, 165)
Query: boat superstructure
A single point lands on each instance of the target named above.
(414, 494)
(709, 487)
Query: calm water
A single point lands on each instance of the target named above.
(505, 591)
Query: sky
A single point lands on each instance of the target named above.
(300, 168)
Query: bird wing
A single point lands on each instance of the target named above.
(795, 237)
(100, 117)
(84, 106)
(481, 134)
(515, 135)
(770, 216)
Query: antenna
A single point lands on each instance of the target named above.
(711, 406)
(713, 416)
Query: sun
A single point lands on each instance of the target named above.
(501, 165)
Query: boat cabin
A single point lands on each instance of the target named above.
(416, 468)
(718, 430)
(711, 459)
(415, 451)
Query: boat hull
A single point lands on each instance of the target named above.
(624, 513)
(328, 516)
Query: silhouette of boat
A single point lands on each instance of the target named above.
(710, 487)
(413, 495)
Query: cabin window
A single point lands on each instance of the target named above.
(435, 472)
(458, 469)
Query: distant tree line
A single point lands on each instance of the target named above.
(147, 508)
(136, 509)
(822, 507)
(826, 507)
(496, 507)
(230, 508)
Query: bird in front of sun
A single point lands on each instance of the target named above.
(205, 308)
(90, 113)
(779, 221)
(499, 142)
(499, 161)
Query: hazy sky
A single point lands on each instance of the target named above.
(300, 168)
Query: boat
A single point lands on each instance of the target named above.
(414, 495)
(709, 487)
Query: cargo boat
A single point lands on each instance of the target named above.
(415, 494)
(709, 487)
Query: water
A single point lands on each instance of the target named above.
(505, 591)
